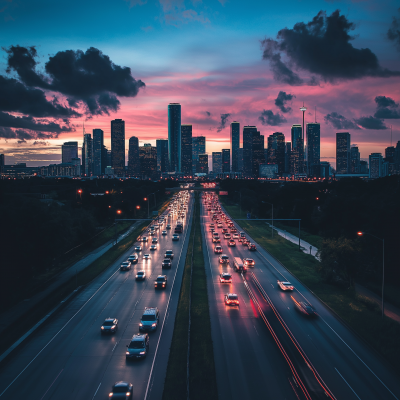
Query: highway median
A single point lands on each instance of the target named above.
(199, 376)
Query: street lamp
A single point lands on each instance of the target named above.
(118, 212)
(80, 194)
(148, 206)
(383, 265)
(272, 216)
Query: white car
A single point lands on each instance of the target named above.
(153, 247)
(163, 233)
(146, 256)
(138, 248)
(285, 285)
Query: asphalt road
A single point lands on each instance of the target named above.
(249, 361)
(68, 358)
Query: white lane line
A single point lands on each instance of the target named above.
(256, 330)
(52, 384)
(372, 372)
(98, 387)
(347, 383)
(327, 324)
(166, 311)
(114, 347)
(37, 355)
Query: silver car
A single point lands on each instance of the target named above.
(138, 347)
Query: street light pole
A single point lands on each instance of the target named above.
(383, 266)
(148, 206)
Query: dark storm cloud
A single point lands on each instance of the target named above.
(16, 97)
(387, 108)
(224, 120)
(393, 33)
(282, 99)
(322, 47)
(371, 123)
(89, 77)
(339, 121)
(10, 121)
(267, 117)
(207, 113)
(21, 134)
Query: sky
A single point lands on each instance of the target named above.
(66, 63)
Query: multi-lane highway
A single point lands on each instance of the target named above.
(248, 359)
(68, 358)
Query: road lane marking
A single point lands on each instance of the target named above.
(167, 311)
(347, 383)
(256, 330)
(52, 384)
(114, 347)
(98, 387)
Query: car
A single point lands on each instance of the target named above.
(212, 230)
(216, 240)
(151, 233)
(217, 249)
(145, 239)
(245, 242)
(285, 285)
(169, 226)
(227, 236)
(212, 225)
(252, 247)
(235, 235)
(175, 237)
(154, 241)
(110, 325)
(240, 239)
(138, 248)
(146, 256)
(133, 258)
(169, 254)
(224, 230)
(242, 234)
(160, 282)
(225, 278)
(305, 308)
(121, 390)
(140, 275)
(149, 320)
(167, 263)
(223, 259)
(219, 225)
(249, 262)
(125, 266)
(153, 247)
(231, 299)
(163, 233)
(231, 243)
(138, 347)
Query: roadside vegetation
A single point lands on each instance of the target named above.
(358, 312)
(202, 374)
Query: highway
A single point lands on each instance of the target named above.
(68, 358)
(248, 359)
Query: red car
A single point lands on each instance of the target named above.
(217, 249)
(231, 243)
(231, 299)
(252, 247)
(225, 278)
(249, 262)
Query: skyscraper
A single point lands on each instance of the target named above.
(288, 157)
(313, 149)
(98, 152)
(69, 150)
(217, 162)
(118, 146)
(375, 165)
(198, 147)
(297, 161)
(185, 158)
(133, 157)
(240, 160)
(2, 162)
(202, 165)
(258, 155)
(162, 155)
(235, 144)
(342, 152)
(174, 136)
(226, 160)
(354, 160)
(87, 155)
(148, 161)
(248, 133)
(276, 151)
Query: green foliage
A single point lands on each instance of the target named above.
(339, 260)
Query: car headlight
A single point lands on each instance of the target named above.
(102, 328)
(128, 393)
(127, 353)
(140, 324)
(153, 324)
(113, 327)
(111, 394)
(142, 352)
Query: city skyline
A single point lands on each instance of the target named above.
(214, 86)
